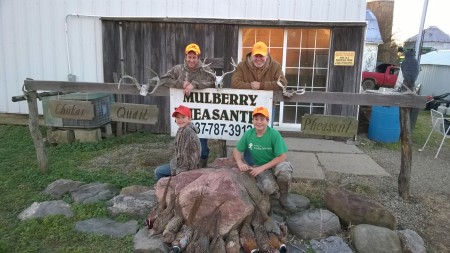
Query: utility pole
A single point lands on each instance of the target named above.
(420, 35)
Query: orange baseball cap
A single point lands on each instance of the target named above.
(192, 47)
(259, 48)
(183, 110)
(261, 110)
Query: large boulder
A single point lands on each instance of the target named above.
(353, 208)
(230, 190)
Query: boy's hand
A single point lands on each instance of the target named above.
(256, 171)
(243, 167)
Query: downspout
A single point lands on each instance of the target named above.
(122, 64)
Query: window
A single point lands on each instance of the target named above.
(304, 55)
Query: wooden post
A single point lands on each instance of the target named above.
(119, 125)
(35, 131)
(223, 148)
(404, 176)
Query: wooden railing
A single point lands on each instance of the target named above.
(405, 102)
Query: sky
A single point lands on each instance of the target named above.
(408, 15)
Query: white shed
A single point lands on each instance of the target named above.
(60, 39)
(435, 73)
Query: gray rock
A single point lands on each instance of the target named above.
(145, 244)
(93, 192)
(137, 205)
(373, 239)
(313, 224)
(411, 241)
(332, 244)
(353, 208)
(301, 202)
(105, 226)
(134, 190)
(46, 208)
(60, 187)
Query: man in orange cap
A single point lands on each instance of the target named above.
(188, 76)
(186, 154)
(268, 149)
(258, 71)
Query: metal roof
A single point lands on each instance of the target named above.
(373, 31)
(440, 57)
(432, 34)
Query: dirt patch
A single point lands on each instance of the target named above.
(132, 157)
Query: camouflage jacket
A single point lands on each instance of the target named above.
(187, 150)
(198, 77)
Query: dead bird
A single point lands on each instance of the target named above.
(262, 238)
(175, 224)
(283, 248)
(172, 228)
(232, 242)
(164, 213)
(247, 238)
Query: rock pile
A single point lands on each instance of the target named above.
(220, 209)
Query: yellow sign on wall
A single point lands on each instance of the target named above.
(344, 58)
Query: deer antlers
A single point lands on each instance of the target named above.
(142, 88)
(219, 79)
(287, 93)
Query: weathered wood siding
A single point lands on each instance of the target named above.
(160, 46)
(345, 78)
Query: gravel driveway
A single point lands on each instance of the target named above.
(428, 210)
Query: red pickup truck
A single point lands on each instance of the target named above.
(385, 75)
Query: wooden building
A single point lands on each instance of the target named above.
(96, 41)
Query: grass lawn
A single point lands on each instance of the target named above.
(21, 184)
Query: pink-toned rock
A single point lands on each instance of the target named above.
(354, 209)
(234, 192)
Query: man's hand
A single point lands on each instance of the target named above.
(255, 85)
(187, 86)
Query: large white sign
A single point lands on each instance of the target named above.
(223, 114)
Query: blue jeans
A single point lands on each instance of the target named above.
(205, 148)
(248, 158)
(162, 171)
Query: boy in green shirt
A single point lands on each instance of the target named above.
(268, 149)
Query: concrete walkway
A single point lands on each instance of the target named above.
(311, 158)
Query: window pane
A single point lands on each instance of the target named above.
(307, 58)
(323, 38)
(321, 58)
(309, 38)
(263, 34)
(291, 75)
(248, 37)
(245, 51)
(276, 38)
(292, 56)
(293, 37)
(277, 54)
(290, 112)
(306, 77)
